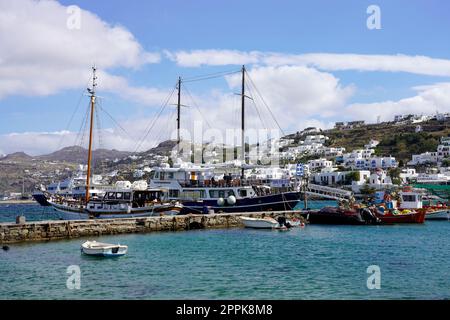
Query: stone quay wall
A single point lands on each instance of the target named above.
(54, 230)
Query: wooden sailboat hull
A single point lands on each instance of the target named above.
(71, 212)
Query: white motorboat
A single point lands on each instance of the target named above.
(94, 248)
(438, 214)
(259, 223)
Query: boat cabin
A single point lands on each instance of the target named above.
(137, 198)
(410, 200)
(198, 184)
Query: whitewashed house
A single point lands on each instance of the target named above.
(372, 144)
(378, 180)
(408, 174)
(318, 164)
(329, 176)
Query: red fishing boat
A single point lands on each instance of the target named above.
(407, 209)
(391, 217)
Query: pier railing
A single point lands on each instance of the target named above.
(328, 192)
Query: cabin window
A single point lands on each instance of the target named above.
(409, 198)
(220, 193)
(170, 175)
(127, 196)
(119, 195)
(243, 192)
(111, 195)
(174, 193)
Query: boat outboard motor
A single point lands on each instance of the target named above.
(282, 222)
(368, 216)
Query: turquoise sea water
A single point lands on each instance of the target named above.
(315, 262)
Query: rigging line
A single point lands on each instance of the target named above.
(73, 115)
(218, 74)
(99, 126)
(80, 135)
(115, 122)
(155, 119)
(265, 103)
(70, 121)
(256, 108)
(212, 77)
(166, 125)
(153, 123)
(196, 106)
(149, 128)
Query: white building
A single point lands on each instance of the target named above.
(319, 164)
(372, 144)
(329, 176)
(442, 152)
(356, 157)
(378, 180)
(408, 174)
(315, 139)
(311, 130)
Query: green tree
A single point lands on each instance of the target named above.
(367, 190)
(446, 162)
(352, 176)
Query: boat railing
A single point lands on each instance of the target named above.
(224, 183)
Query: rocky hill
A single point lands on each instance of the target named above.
(17, 157)
(397, 139)
(76, 154)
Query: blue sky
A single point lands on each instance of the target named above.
(411, 28)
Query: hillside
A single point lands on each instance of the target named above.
(400, 141)
(17, 157)
(77, 154)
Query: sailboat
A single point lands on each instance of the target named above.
(199, 194)
(130, 201)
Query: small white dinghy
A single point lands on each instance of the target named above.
(259, 223)
(99, 249)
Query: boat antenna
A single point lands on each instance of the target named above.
(92, 94)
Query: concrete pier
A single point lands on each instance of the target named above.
(58, 229)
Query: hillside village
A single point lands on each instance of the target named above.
(354, 155)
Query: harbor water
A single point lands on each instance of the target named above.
(315, 262)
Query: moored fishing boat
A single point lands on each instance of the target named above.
(341, 216)
(406, 208)
(405, 216)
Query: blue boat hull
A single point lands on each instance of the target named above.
(40, 198)
(276, 202)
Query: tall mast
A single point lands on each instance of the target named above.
(178, 114)
(243, 119)
(92, 92)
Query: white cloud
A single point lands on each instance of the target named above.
(297, 92)
(298, 97)
(429, 99)
(212, 57)
(38, 143)
(325, 61)
(40, 55)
